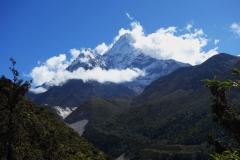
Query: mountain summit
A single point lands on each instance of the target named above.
(123, 55)
(87, 60)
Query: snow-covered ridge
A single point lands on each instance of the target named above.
(123, 55)
(87, 60)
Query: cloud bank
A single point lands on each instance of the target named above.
(184, 45)
(53, 73)
(38, 90)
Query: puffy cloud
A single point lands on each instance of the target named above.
(57, 62)
(46, 71)
(184, 45)
(58, 76)
(128, 15)
(53, 72)
(97, 74)
(74, 52)
(171, 43)
(41, 74)
(235, 28)
(101, 48)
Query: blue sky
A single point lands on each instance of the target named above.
(33, 31)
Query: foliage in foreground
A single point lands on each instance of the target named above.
(31, 132)
(226, 114)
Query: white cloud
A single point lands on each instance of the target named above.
(171, 43)
(128, 15)
(53, 72)
(38, 90)
(189, 26)
(74, 52)
(101, 48)
(184, 45)
(235, 28)
(41, 74)
(46, 71)
(216, 41)
(97, 74)
(58, 76)
(57, 62)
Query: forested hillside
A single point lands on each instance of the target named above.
(31, 132)
(173, 112)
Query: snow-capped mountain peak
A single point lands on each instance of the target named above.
(87, 59)
(123, 55)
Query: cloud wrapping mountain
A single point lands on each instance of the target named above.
(53, 73)
(183, 45)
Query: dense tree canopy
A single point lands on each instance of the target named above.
(31, 132)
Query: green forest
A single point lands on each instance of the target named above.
(31, 132)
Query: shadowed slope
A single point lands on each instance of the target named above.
(186, 79)
(172, 110)
(75, 92)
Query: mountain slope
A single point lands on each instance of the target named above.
(75, 92)
(95, 112)
(186, 79)
(87, 60)
(122, 55)
(35, 132)
(180, 114)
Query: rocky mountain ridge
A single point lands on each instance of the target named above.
(122, 55)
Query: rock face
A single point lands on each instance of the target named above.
(123, 55)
